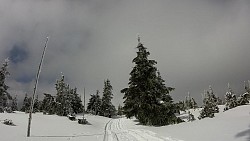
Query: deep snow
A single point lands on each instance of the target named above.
(232, 125)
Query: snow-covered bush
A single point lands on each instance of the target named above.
(8, 109)
(82, 121)
(190, 116)
(243, 99)
(8, 122)
(72, 117)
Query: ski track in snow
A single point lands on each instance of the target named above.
(114, 131)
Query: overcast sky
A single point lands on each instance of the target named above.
(196, 43)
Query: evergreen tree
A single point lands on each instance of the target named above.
(243, 99)
(107, 108)
(120, 110)
(247, 88)
(36, 105)
(94, 105)
(180, 106)
(147, 98)
(230, 99)
(63, 98)
(4, 95)
(61, 89)
(14, 104)
(66, 102)
(210, 105)
(190, 103)
(76, 102)
(48, 105)
(193, 103)
(26, 104)
(219, 101)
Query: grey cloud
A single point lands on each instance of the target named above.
(196, 43)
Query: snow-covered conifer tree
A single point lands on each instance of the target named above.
(94, 105)
(76, 101)
(181, 106)
(36, 105)
(190, 102)
(247, 88)
(243, 99)
(107, 108)
(63, 98)
(48, 105)
(26, 104)
(119, 110)
(210, 105)
(147, 98)
(230, 99)
(4, 95)
(194, 103)
(14, 104)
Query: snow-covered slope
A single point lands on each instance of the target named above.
(232, 125)
(51, 128)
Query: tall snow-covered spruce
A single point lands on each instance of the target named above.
(94, 105)
(67, 99)
(107, 108)
(4, 95)
(147, 98)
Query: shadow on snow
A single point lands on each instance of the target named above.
(245, 133)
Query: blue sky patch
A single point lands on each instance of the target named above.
(18, 54)
(25, 78)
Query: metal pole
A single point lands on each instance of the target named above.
(35, 88)
(84, 100)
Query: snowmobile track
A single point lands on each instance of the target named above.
(115, 131)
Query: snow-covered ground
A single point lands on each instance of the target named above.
(232, 125)
(51, 128)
